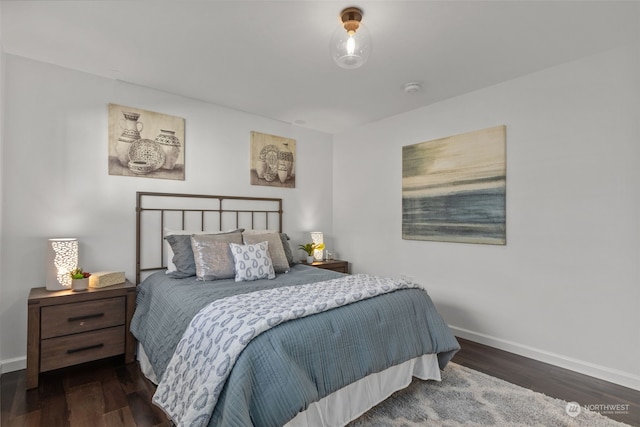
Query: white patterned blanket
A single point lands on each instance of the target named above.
(197, 372)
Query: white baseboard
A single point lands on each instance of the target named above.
(622, 378)
(11, 365)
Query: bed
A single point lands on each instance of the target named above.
(308, 347)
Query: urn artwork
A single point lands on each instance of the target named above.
(131, 129)
(285, 162)
(272, 160)
(145, 143)
(170, 145)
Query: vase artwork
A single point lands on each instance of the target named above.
(272, 160)
(131, 129)
(145, 143)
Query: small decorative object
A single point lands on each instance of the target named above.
(171, 146)
(140, 167)
(145, 143)
(318, 239)
(269, 155)
(272, 160)
(329, 256)
(62, 258)
(285, 162)
(79, 279)
(146, 152)
(103, 279)
(131, 129)
(309, 249)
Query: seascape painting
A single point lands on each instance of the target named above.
(454, 188)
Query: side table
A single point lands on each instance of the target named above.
(335, 265)
(66, 328)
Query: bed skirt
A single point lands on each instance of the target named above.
(353, 400)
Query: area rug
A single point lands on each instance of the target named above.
(466, 397)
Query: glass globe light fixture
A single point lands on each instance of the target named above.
(351, 41)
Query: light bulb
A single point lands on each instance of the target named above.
(351, 45)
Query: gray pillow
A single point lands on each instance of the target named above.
(287, 248)
(276, 249)
(212, 255)
(183, 253)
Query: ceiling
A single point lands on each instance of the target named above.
(271, 58)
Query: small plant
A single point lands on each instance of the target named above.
(310, 247)
(79, 274)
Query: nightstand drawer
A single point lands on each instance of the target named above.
(80, 348)
(334, 265)
(66, 319)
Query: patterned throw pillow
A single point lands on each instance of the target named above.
(252, 262)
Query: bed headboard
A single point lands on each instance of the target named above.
(156, 212)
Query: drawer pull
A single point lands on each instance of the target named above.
(89, 347)
(88, 316)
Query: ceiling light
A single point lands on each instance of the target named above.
(351, 41)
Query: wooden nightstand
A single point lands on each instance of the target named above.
(66, 328)
(335, 265)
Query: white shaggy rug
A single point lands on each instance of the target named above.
(466, 397)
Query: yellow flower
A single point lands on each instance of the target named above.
(310, 247)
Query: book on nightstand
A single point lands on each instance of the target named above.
(103, 279)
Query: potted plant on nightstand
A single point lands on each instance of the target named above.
(79, 280)
(309, 248)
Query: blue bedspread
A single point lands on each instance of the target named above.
(298, 362)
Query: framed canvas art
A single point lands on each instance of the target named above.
(145, 143)
(273, 160)
(454, 188)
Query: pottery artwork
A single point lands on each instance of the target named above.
(131, 129)
(171, 146)
(140, 167)
(145, 156)
(261, 168)
(285, 163)
(269, 155)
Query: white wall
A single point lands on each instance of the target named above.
(56, 180)
(565, 289)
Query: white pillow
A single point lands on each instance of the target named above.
(252, 262)
(259, 231)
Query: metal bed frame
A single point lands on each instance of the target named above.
(208, 212)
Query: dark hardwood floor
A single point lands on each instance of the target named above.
(110, 393)
(551, 380)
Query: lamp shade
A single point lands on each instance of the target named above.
(61, 259)
(317, 238)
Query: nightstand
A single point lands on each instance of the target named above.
(66, 328)
(335, 265)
